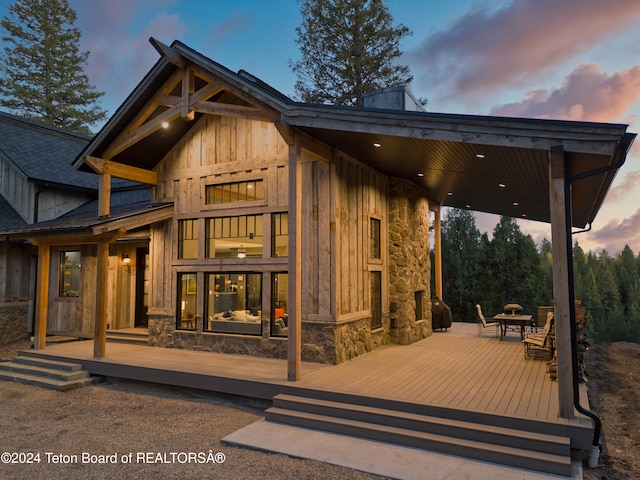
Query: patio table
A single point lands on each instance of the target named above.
(516, 319)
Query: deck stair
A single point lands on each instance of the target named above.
(45, 373)
(512, 441)
(136, 336)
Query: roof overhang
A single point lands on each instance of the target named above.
(489, 164)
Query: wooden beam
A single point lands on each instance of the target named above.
(285, 131)
(120, 170)
(42, 297)
(168, 53)
(561, 285)
(188, 87)
(230, 110)
(130, 138)
(294, 350)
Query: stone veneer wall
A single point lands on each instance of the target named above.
(162, 333)
(13, 322)
(409, 261)
(339, 343)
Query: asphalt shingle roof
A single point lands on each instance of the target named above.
(42, 152)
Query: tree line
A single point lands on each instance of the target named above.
(510, 268)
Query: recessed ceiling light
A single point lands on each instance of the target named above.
(501, 185)
(515, 204)
(468, 206)
(377, 145)
(524, 215)
(421, 174)
(479, 155)
(165, 124)
(450, 193)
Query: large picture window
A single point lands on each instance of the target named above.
(235, 192)
(187, 301)
(234, 303)
(188, 239)
(70, 274)
(240, 237)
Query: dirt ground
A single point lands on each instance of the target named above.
(130, 417)
(613, 375)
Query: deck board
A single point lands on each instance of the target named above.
(456, 369)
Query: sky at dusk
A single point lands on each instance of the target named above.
(562, 59)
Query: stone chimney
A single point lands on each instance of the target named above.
(392, 98)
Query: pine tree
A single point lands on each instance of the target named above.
(348, 47)
(41, 67)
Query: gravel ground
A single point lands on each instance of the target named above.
(150, 422)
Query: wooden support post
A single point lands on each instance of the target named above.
(294, 351)
(104, 195)
(437, 253)
(100, 339)
(561, 280)
(42, 296)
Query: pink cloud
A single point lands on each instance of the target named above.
(237, 22)
(618, 233)
(587, 93)
(484, 50)
(630, 184)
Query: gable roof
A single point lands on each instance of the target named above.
(439, 152)
(43, 153)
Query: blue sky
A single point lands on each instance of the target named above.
(568, 59)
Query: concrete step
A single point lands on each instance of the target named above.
(46, 373)
(530, 450)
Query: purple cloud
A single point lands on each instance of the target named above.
(618, 233)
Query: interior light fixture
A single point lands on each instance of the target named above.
(241, 252)
(126, 260)
(515, 204)
(501, 185)
(421, 174)
(165, 124)
(377, 145)
(449, 194)
(479, 155)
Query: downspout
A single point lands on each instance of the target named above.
(595, 445)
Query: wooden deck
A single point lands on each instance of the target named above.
(456, 369)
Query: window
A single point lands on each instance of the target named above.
(70, 274)
(279, 315)
(235, 192)
(376, 300)
(280, 235)
(234, 303)
(187, 294)
(229, 237)
(188, 239)
(374, 238)
(419, 295)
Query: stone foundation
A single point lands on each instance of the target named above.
(13, 322)
(339, 343)
(162, 333)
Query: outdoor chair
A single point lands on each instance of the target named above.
(539, 340)
(482, 324)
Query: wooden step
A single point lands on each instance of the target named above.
(129, 337)
(529, 450)
(46, 373)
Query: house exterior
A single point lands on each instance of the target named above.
(287, 230)
(37, 183)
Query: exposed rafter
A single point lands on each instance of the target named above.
(119, 170)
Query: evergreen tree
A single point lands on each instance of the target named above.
(41, 67)
(460, 269)
(348, 47)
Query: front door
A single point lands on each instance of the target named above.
(142, 287)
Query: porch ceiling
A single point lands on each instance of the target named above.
(487, 164)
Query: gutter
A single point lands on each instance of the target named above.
(595, 445)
